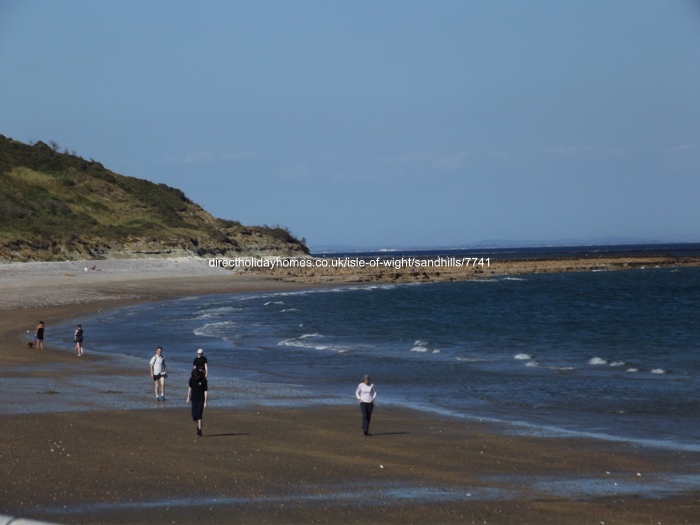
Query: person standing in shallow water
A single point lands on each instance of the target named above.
(78, 340)
(39, 336)
(197, 394)
(366, 394)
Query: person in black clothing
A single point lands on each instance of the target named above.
(78, 340)
(200, 363)
(39, 336)
(197, 394)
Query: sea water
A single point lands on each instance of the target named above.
(609, 354)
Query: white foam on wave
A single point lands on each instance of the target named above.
(421, 346)
(618, 363)
(532, 363)
(514, 279)
(307, 341)
(339, 289)
(658, 371)
(284, 310)
(215, 329)
(473, 359)
(597, 361)
(632, 370)
(217, 312)
(274, 297)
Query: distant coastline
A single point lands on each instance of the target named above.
(473, 263)
(498, 244)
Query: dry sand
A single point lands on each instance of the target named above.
(274, 465)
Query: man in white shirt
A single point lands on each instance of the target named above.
(158, 373)
(366, 394)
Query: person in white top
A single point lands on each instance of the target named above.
(158, 373)
(366, 394)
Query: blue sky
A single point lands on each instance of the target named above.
(377, 123)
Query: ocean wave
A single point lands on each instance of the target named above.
(536, 364)
(421, 346)
(331, 290)
(216, 312)
(307, 341)
(218, 330)
(474, 359)
(532, 363)
(596, 361)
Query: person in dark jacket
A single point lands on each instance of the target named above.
(78, 340)
(197, 394)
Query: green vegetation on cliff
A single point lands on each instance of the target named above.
(58, 206)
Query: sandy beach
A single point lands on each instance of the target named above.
(273, 465)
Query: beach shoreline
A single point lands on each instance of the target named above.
(405, 270)
(283, 465)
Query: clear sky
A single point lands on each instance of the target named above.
(377, 123)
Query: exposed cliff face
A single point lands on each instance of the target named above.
(58, 206)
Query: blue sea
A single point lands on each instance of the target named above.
(613, 354)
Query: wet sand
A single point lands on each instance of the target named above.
(281, 465)
(313, 465)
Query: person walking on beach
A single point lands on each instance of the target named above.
(158, 373)
(366, 394)
(200, 363)
(78, 340)
(197, 393)
(39, 336)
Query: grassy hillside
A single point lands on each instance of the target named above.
(58, 206)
